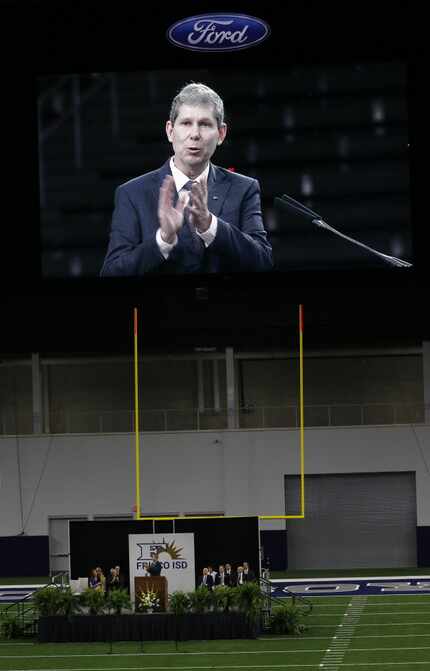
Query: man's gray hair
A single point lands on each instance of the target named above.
(198, 94)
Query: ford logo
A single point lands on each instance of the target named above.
(218, 32)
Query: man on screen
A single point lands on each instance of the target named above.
(189, 216)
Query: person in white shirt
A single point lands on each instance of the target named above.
(240, 577)
(212, 572)
(220, 577)
(206, 579)
(230, 578)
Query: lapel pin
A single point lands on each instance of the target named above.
(214, 197)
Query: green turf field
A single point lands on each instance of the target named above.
(374, 633)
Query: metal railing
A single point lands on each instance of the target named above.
(269, 601)
(22, 610)
(211, 419)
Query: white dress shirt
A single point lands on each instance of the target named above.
(180, 180)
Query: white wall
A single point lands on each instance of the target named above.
(237, 472)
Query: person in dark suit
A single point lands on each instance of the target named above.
(240, 580)
(220, 577)
(189, 215)
(121, 579)
(248, 575)
(155, 567)
(112, 581)
(230, 577)
(206, 579)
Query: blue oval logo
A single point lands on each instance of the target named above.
(218, 32)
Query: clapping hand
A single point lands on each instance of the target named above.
(197, 209)
(171, 218)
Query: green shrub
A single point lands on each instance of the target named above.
(94, 599)
(250, 599)
(48, 601)
(69, 602)
(117, 599)
(224, 598)
(287, 620)
(179, 603)
(10, 628)
(200, 600)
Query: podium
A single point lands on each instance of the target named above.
(157, 584)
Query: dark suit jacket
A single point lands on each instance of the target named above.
(155, 568)
(112, 583)
(240, 244)
(218, 580)
(209, 582)
(248, 577)
(230, 579)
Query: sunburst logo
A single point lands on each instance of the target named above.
(173, 551)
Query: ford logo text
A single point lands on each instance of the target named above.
(218, 32)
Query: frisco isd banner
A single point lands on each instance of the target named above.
(175, 553)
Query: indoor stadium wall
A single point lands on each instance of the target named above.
(228, 472)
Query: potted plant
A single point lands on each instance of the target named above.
(147, 601)
(68, 602)
(250, 599)
(179, 603)
(48, 601)
(94, 600)
(200, 600)
(224, 598)
(287, 620)
(9, 627)
(117, 599)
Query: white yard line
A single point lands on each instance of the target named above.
(326, 638)
(387, 624)
(340, 643)
(247, 667)
(186, 654)
(366, 614)
(379, 603)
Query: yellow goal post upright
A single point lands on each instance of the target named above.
(138, 508)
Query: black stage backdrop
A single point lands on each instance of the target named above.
(216, 541)
(24, 556)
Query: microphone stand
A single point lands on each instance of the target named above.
(290, 203)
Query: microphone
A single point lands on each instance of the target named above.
(289, 203)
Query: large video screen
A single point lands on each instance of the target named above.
(302, 149)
